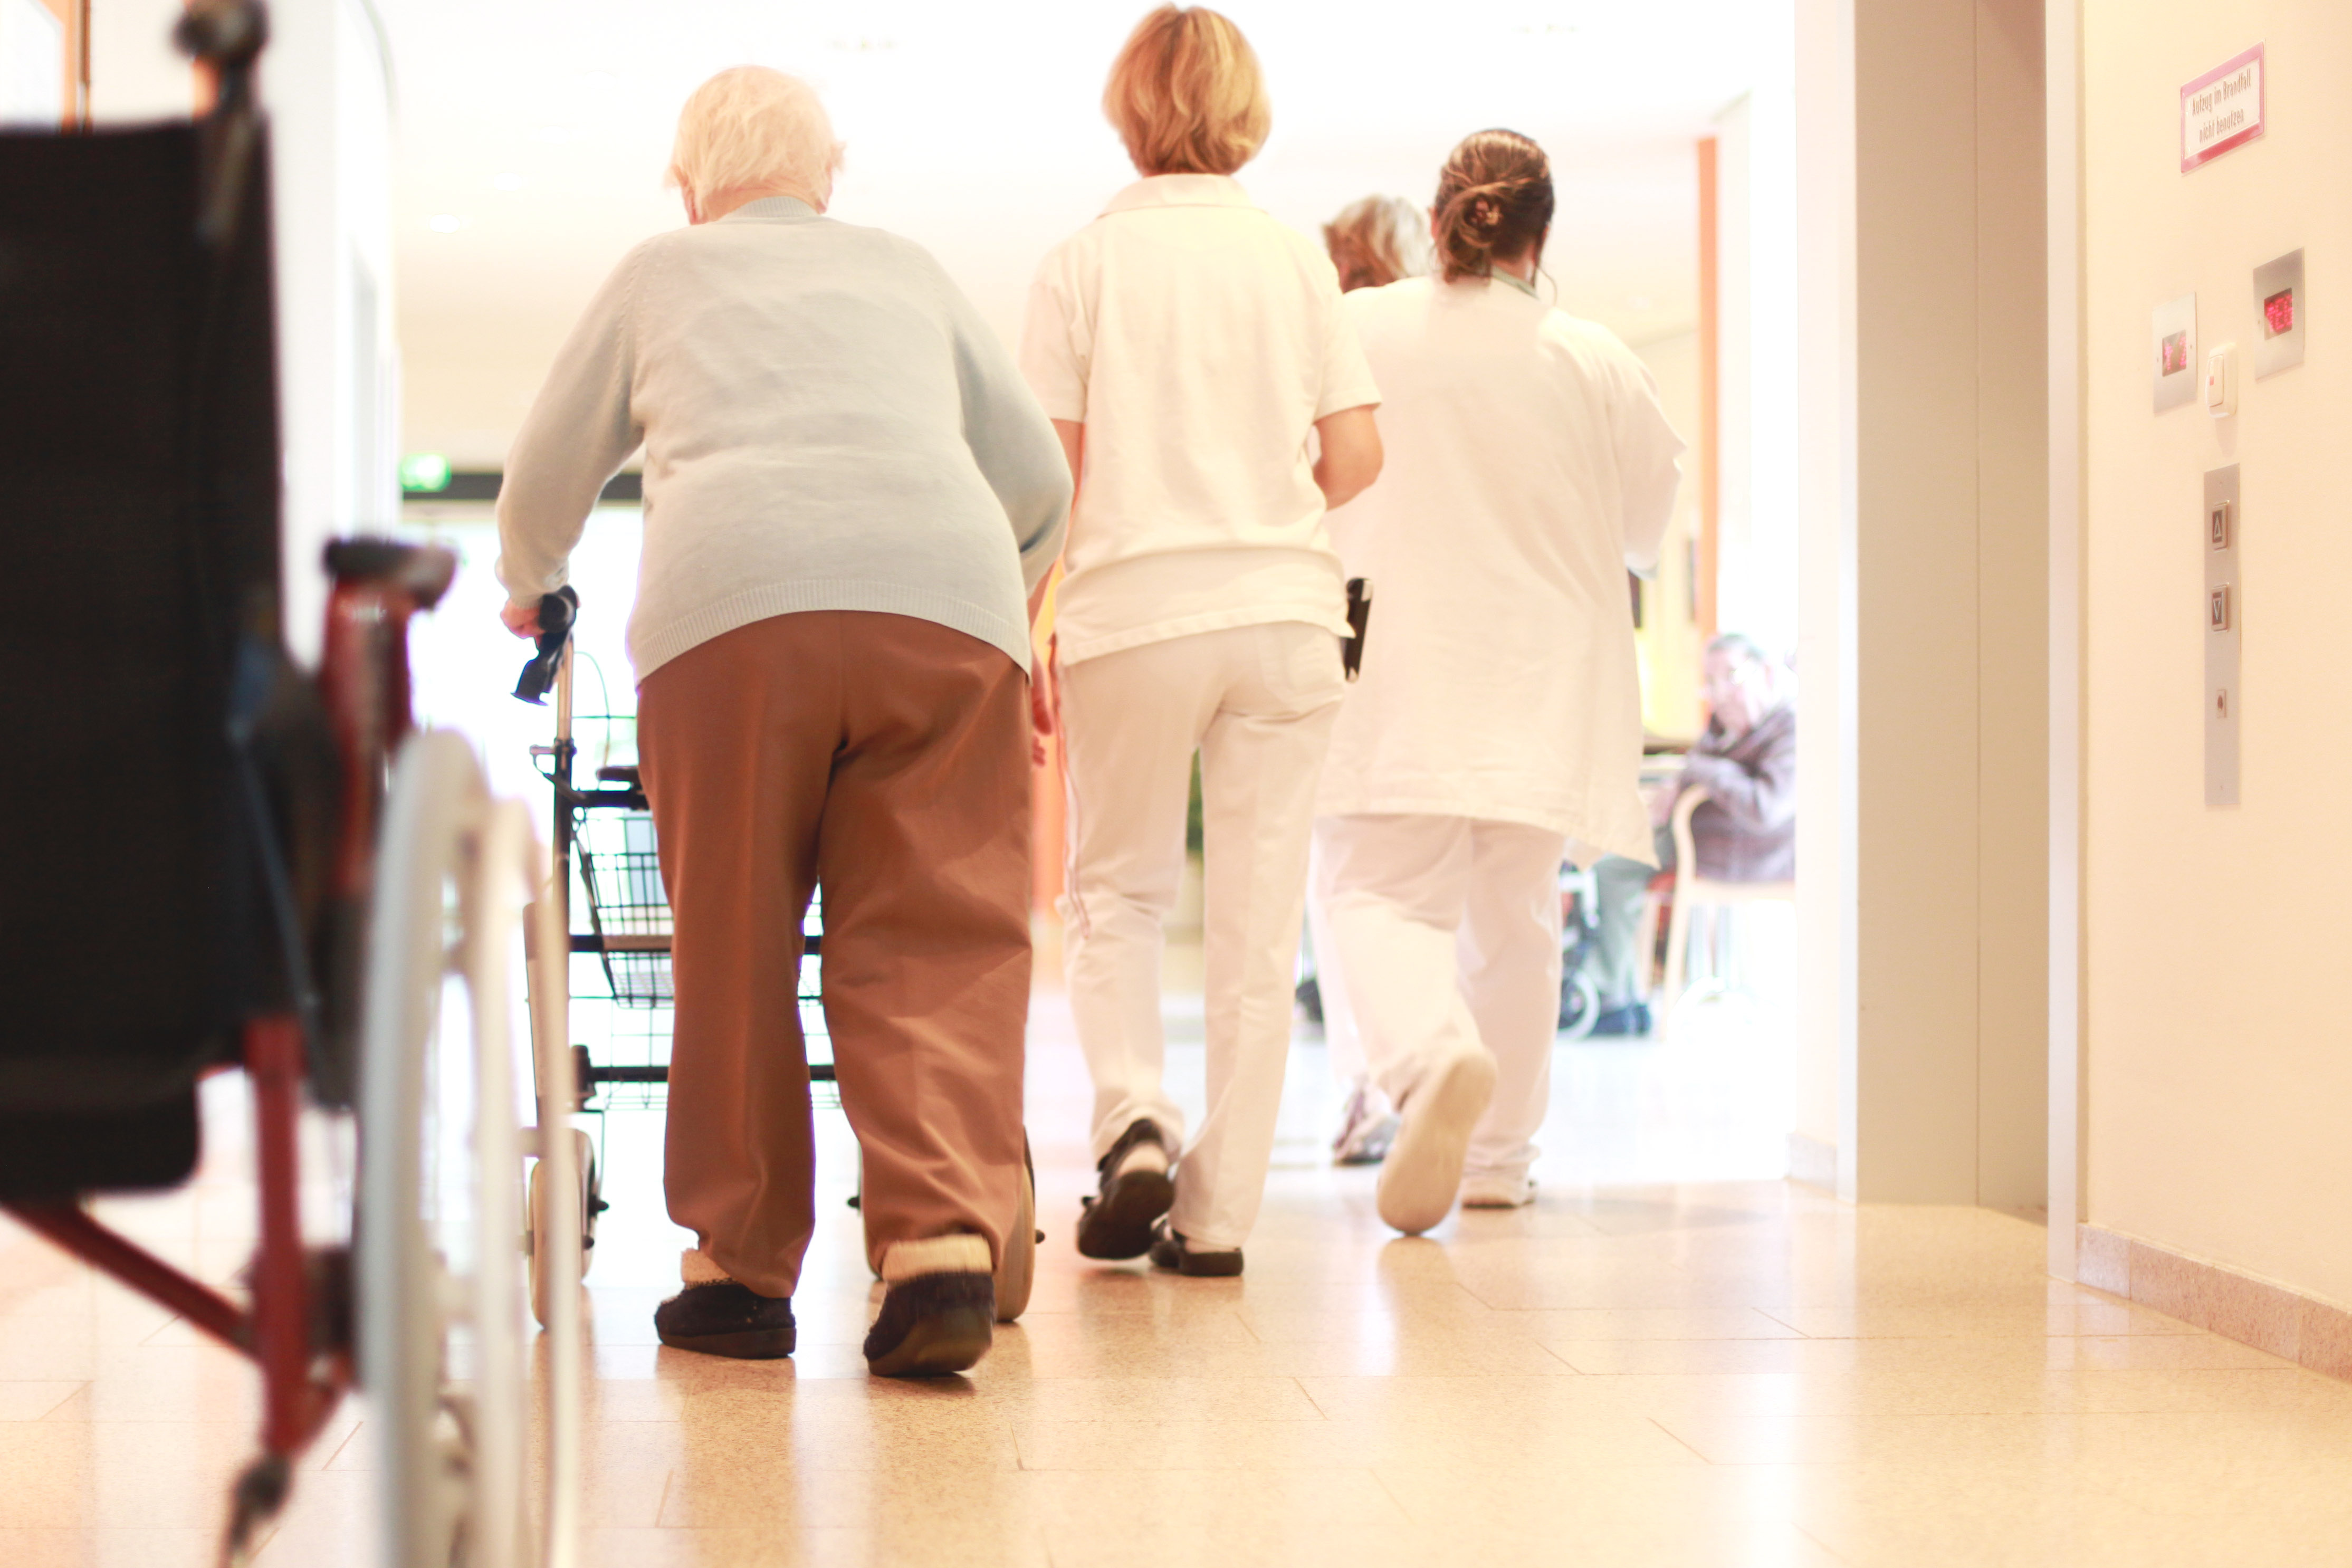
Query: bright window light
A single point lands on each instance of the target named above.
(424, 473)
(444, 223)
(506, 181)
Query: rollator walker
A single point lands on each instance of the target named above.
(215, 861)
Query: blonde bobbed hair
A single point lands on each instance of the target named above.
(749, 129)
(1186, 95)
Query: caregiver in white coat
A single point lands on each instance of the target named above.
(1185, 345)
(1498, 726)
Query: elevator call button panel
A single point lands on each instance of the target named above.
(2224, 615)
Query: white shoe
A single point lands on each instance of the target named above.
(1423, 1170)
(1492, 1192)
(1367, 1128)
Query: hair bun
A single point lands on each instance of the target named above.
(1494, 198)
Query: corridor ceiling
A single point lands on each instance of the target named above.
(531, 135)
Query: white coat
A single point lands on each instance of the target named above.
(1528, 465)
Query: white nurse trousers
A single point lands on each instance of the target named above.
(1447, 934)
(1258, 703)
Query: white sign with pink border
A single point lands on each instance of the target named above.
(2222, 110)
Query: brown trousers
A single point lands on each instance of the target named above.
(885, 758)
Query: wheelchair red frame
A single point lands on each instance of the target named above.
(298, 1328)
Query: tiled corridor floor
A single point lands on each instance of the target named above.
(1716, 1373)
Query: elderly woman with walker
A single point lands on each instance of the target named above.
(1186, 346)
(850, 499)
(1497, 729)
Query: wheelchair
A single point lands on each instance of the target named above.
(219, 862)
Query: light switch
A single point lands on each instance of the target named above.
(2222, 382)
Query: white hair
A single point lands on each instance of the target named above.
(749, 128)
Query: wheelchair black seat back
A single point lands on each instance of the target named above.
(139, 580)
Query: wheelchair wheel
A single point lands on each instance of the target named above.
(440, 1274)
(1580, 1005)
(1016, 1270)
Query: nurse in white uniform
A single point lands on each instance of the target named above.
(1497, 729)
(1185, 344)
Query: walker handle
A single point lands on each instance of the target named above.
(557, 611)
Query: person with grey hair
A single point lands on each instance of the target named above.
(1745, 831)
(852, 501)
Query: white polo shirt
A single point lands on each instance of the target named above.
(1198, 341)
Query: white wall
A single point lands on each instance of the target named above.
(1921, 824)
(325, 83)
(1755, 281)
(1828, 848)
(33, 66)
(135, 73)
(2219, 1058)
(1668, 641)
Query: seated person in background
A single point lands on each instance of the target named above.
(1746, 831)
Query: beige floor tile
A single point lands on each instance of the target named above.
(1269, 1322)
(2103, 1317)
(1698, 1515)
(1994, 1388)
(1469, 1398)
(231, 1394)
(711, 1490)
(1958, 1441)
(30, 1401)
(1156, 1399)
(1891, 1513)
(1579, 1324)
(1541, 1442)
(820, 1546)
(2133, 1351)
(110, 1548)
(1406, 1349)
(1792, 1354)
(116, 1475)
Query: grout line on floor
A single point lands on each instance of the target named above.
(1390, 1492)
(1808, 1535)
(1677, 1437)
(1574, 1370)
(67, 1399)
(348, 1438)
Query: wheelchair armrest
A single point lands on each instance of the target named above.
(421, 571)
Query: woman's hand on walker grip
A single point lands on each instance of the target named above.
(520, 619)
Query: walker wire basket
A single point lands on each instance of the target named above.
(627, 908)
(619, 868)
